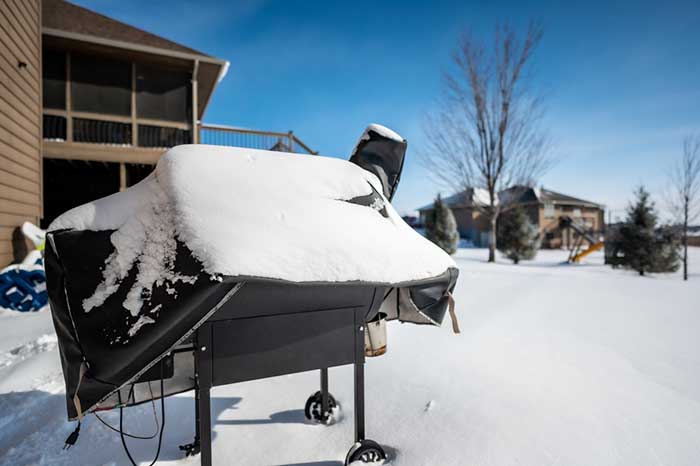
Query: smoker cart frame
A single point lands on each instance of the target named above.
(248, 339)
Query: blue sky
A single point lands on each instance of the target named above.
(621, 79)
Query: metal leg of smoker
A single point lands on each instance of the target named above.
(205, 426)
(363, 449)
(197, 430)
(324, 390)
(194, 448)
(359, 401)
(205, 382)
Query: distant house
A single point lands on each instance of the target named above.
(411, 220)
(546, 209)
(88, 104)
(472, 224)
(694, 235)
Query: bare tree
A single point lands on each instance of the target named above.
(485, 132)
(684, 197)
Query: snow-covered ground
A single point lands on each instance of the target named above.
(556, 365)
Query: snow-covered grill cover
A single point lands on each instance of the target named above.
(132, 275)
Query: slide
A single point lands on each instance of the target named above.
(594, 247)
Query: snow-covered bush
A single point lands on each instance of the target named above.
(441, 227)
(644, 246)
(517, 237)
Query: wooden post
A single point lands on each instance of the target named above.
(195, 109)
(291, 141)
(69, 105)
(134, 126)
(122, 176)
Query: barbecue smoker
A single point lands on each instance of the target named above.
(209, 317)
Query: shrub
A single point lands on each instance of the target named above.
(644, 246)
(441, 227)
(517, 237)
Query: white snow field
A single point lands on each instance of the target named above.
(556, 365)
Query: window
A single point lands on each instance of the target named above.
(99, 85)
(577, 212)
(163, 94)
(101, 132)
(54, 127)
(54, 79)
(548, 210)
(158, 136)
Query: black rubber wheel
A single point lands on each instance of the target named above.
(191, 449)
(367, 451)
(313, 411)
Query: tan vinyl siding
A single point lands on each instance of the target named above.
(20, 118)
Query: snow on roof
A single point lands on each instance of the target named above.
(480, 196)
(466, 198)
(252, 213)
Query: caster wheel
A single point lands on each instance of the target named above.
(313, 410)
(366, 451)
(191, 449)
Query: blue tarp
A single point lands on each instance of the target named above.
(23, 287)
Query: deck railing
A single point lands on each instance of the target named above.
(105, 130)
(255, 139)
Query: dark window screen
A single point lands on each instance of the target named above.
(54, 128)
(157, 136)
(101, 132)
(100, 86)
(163, 94)
(54, 79)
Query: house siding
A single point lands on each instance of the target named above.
(20, 119)
(591, 218)
(471, 224)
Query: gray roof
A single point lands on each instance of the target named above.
(558, 198)
(462, 199)
(520, 195)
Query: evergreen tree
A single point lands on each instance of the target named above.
(518, 238)
(646, 248)
(441, 227)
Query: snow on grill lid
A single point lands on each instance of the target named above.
(379, 129)
(383, 131)
(246, 212)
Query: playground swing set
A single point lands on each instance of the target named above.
(579, 249)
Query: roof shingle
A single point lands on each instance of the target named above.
(65, 16)
(516, 194)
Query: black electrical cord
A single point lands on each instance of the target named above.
(126, 434)
(162, 415)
